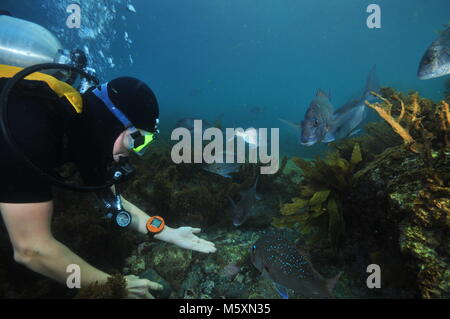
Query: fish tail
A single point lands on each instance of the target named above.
(372, 84)
(331, 283)
(257, 179)
(232, 201)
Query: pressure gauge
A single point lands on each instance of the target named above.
(123, 219)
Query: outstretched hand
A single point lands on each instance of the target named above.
(184, 237)
(138, 287)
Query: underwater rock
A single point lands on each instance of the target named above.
(135, 264)
(114, 288)
(231, 251)
(412, 218)
(231, 270)
(231, 290)
(152, 275)
(190, 287)
(207, 287)
(170, 262)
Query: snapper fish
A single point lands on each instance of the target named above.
(347, 118)
(243, 209)
(249, 136)
(436, 60)
(279, 260)
(317, 121)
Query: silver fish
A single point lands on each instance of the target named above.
(243, 209)
(131, 8)
(436, 60)
(222, 169)
(317, 121)
(281, 261)
(347, 118)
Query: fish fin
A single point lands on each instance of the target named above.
(282, 291)
(320, 92)
(226, 175)
(372, 84)
(349, 105)
(329, 137)
(232, 201)
(258, 196)
(354, 132)
(289, 123)
(331, 283)
(256, 182)
(265, 273)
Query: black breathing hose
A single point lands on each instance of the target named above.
(4, 96)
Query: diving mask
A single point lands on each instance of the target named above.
(140, 140)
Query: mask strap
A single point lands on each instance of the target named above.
(102, 94)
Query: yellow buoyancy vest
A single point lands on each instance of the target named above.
(61, 89)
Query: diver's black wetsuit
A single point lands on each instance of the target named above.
(50, 135)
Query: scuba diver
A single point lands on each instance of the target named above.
(45, 123)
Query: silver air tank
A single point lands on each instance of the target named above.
(24, 43)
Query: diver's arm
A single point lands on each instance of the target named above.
(138, 217)
(35, 247)
(182, 237)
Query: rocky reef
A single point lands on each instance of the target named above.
(393, 205)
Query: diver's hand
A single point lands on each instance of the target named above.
(138, 287)
(184, 237)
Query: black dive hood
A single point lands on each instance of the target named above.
(120, 171)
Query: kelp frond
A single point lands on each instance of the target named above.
(325, 183)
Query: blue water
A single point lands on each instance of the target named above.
(211, 57)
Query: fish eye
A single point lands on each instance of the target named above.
(316, 122)
(253, 248)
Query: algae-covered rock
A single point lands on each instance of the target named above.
(136, 264)
(190, 287)
(412, 215)
(114, 288)
(231, 251)
(152, 275)
(170, 262)
(396, 202)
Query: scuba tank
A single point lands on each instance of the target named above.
(24, 43)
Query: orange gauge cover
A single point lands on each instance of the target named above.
(155, 224)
